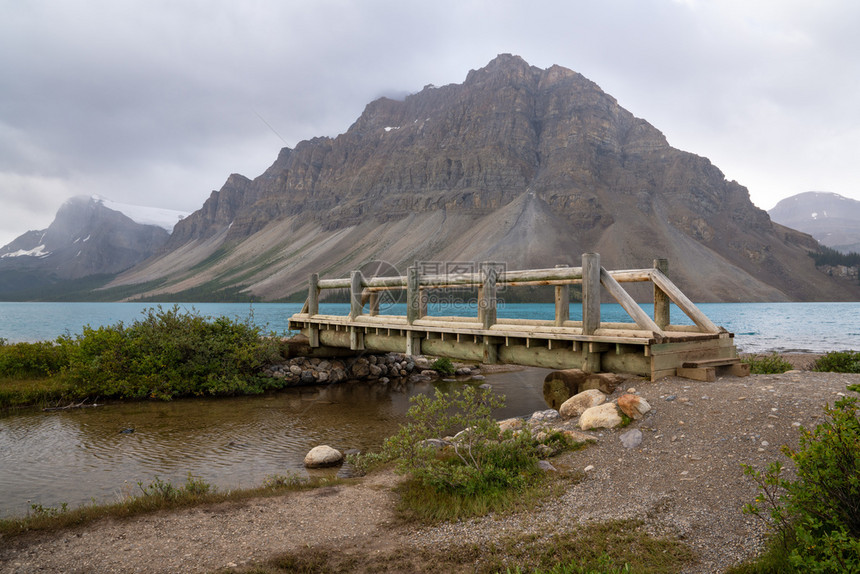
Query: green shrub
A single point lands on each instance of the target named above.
(40, 359)
(838, 362)
(475, 472)
(444, 366)
(815, 518)
(169, 353)
(767, 365)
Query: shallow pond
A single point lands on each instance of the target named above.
(82, 455)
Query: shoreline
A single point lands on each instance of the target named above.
(684, 478)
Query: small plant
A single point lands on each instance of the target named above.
(815, 519)
(444, 366)
(767, 365)
(40, 511)
(838, 362)
(164, 490)
(281, 482)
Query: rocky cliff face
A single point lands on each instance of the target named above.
(517, 164)
(85, 238)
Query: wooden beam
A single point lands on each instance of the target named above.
(625, 300)
(684, 303)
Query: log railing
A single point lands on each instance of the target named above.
(590, 275)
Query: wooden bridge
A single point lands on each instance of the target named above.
(649, 346)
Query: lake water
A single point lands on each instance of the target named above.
(758, 327)
(80, 455)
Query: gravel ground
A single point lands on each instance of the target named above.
(685, 479)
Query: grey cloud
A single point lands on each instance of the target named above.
(157, 102)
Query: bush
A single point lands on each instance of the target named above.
(815, 518)
(444, 366)
(838, 362)
(767, 365)
(40, 359)
(169, 354)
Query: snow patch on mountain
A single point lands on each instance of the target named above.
(160, 217)
(38, 251)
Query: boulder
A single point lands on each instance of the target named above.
(323, 456)
(577, 437)
(579, 403)
(360, 369)
(602, 416)
(605, 382)
(558, 386)
(547, 416)
(633, 406)
(511, 424)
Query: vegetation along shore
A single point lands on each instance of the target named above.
(713, 476)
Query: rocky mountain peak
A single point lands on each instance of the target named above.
(517, 164)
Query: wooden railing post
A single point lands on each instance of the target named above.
(562, 302)
(487, 294)
(314, 309)
(661, 299)
(374, 303)
(590, 293)
(314, 295)
(355, 289)
(413, 294)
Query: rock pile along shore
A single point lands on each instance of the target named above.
(382, 368)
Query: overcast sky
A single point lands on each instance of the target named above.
(156, 102)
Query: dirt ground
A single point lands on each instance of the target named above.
(684, 480)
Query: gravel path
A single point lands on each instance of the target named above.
(685, 479)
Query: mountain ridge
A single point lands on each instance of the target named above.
(517, 164)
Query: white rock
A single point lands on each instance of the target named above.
(322, 456)
(579, 403)
(602, 416)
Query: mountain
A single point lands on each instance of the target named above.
(517, 164)
(831, 219)
(89, 237)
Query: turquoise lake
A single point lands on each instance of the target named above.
(758, 327)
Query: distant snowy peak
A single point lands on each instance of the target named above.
(160, 217)
(830, 218)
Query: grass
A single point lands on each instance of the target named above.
(618, 546)
(420, 502)
(34, 391)
(143, 499)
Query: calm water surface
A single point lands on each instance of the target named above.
(81, 455)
